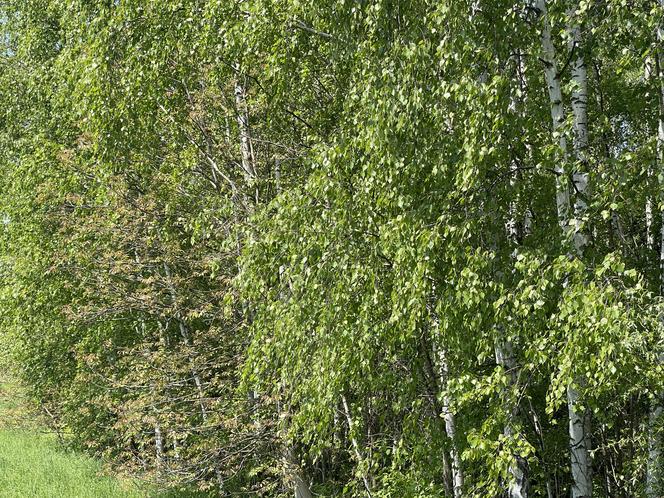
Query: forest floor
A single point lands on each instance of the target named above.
(34, 465)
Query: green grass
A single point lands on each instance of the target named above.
(34, 465)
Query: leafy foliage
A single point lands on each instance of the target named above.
(250, 246)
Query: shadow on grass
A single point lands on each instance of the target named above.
(181, 493)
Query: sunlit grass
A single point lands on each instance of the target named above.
(33, 464)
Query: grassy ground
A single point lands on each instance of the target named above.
(33, 465)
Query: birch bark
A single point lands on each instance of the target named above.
(246, 144)
(579, 420)
(300, 486)
(158, 434)
(294, 472)
(579, 423)
(552, 77)
(184, 333)
(159, 445)
(519, 484)
(654, 484)
(579, 102)
(246, 148)
(450, 422)
(356, 447)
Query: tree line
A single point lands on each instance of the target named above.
(382, 248)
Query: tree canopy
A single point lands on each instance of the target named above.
(384, 248)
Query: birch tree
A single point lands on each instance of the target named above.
(654, 472)
(579, 423)
(347, 209)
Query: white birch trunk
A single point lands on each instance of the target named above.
(246, 148)
(650, 237)
(247, 158)
(579, 429)
(579, 433)
(450, 423)
(579, 421)
(518, 485)
(356, 447)
(159, 445)
(277, 175)
(552, 78)
(176, 447)
(580, 113)
(184, 333)
(294, 472)
(158, 436)
(654, 484)
(301, 487)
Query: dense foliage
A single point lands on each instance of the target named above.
(376, 248)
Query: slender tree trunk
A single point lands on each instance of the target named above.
(552, 78)
(519, 484)
(434, 389)
(579, 423)
(300, 485)
(277, 175)
(186, 338)
(359, 454)
(159, 446)
(447, 474)
(650, 237)
(580, 113)
(579, 433)
(176, 447)
(654, 471)
(248, 159)
(294, 472)
(579, 420)
(450, 422)
(654, 484)
(246, 147)
(158, 435)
